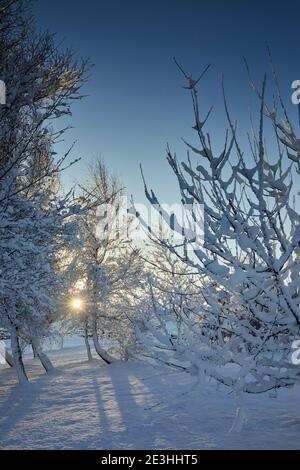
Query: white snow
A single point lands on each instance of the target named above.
(134, 406)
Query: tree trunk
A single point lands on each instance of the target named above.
(17, 355)
(103, 354)
(127, 353)
(87, 344)
(46, 363)
(33, 351)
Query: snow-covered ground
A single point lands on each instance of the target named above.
(135, 406)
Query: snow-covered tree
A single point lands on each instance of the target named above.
(175, 286)
(33, 235)
(249, 258)
(107, 264)
(41, 84)
(36, 223)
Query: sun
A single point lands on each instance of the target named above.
(76, 303)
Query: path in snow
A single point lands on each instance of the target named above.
(83, 406)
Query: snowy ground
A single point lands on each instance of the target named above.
(132, 406)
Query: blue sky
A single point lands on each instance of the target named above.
(136, 103)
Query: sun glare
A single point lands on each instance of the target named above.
(76, 303)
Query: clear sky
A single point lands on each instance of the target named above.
(136, 104)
